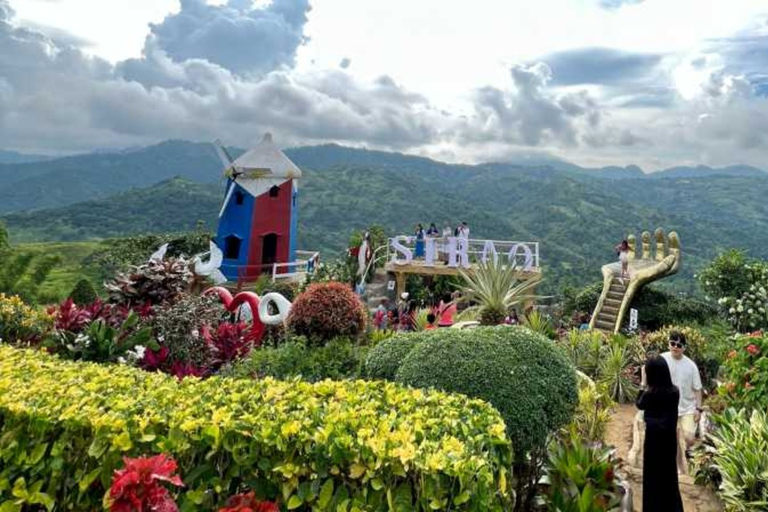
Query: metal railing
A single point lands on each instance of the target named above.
(295, 269)
(526, 254)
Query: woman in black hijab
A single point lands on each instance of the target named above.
(659, 403)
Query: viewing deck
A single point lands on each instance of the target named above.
(447, 257)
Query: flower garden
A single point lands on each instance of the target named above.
(151, 395)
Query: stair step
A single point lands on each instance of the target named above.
(612, 310)
(614, 303)
(618, 289)
(604, 325)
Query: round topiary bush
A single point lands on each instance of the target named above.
(325, 311)
(83, 293)
(385, 359)
(521, 373)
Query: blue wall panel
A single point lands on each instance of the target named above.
(236, 221)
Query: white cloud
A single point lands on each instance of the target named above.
(592, 85)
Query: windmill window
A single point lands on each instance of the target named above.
(274, 191)
(232, 247)
(294, 199)
(239, 198)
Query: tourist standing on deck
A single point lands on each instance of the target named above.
(659, 401)
(419, 233)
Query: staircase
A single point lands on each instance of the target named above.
(376, 290)
(607, 316)
(617, 295)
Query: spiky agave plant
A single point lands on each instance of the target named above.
(496, 288)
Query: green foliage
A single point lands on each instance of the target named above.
(83, 292)
(584, 349)
(123, 253)
(537, 322)
(616, 369)
(593, 412)
(739, 284)
(23, 273)
(340, 358)
(497, 288)
(582, 477)
(741, 458)
(521, 373)
(385, 358)
(745, 373)
(309, 445)
(658, 341)
(326, 311)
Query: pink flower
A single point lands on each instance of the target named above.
(753, 349)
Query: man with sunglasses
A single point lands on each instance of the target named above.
(685, 375)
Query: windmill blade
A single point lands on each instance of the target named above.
(224, 155)
(227, 198)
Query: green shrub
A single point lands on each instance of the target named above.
(745, 373)
(385, 358)
(740, 455)
(519, 372)
(326, 311)
(618, 361)
(83, 293)
(582, 477)
(65, 426)
(340, 358)
(177, 328)
(21, 323)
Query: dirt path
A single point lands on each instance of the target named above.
(619, 434)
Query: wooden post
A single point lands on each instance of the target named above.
(399, 283)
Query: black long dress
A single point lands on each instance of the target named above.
(660, 487)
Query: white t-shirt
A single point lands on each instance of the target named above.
(685, 375)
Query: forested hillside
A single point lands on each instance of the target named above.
(576, 214)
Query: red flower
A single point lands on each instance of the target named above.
(229, 343)
(68, 317)
(181, 370)
(136, 488)
(756, 334)
(753, 349)
(154, 359)
(247, 502)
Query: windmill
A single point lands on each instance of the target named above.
(258, 230)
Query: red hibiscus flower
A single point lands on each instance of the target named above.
(753, 349)
(137, 487)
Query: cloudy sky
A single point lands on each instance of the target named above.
(597, 82)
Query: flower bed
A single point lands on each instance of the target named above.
(65, 426)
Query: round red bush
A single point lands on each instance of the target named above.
(327, 310)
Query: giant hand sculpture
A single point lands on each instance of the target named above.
(617, 294)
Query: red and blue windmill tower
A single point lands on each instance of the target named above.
(258, 219)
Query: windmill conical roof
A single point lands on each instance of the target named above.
(265, 160)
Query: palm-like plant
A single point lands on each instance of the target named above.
(496, 288)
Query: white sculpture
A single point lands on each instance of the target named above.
(211, 267)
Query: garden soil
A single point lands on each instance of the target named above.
(696, 498)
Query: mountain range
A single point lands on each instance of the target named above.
(577, 214)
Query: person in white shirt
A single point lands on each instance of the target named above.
(685, 375)
(464, 230)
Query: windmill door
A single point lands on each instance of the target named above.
(269, 251)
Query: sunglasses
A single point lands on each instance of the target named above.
(676, 344)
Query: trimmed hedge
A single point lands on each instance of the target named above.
(355, 445)
(385, 358)
(521, 373)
